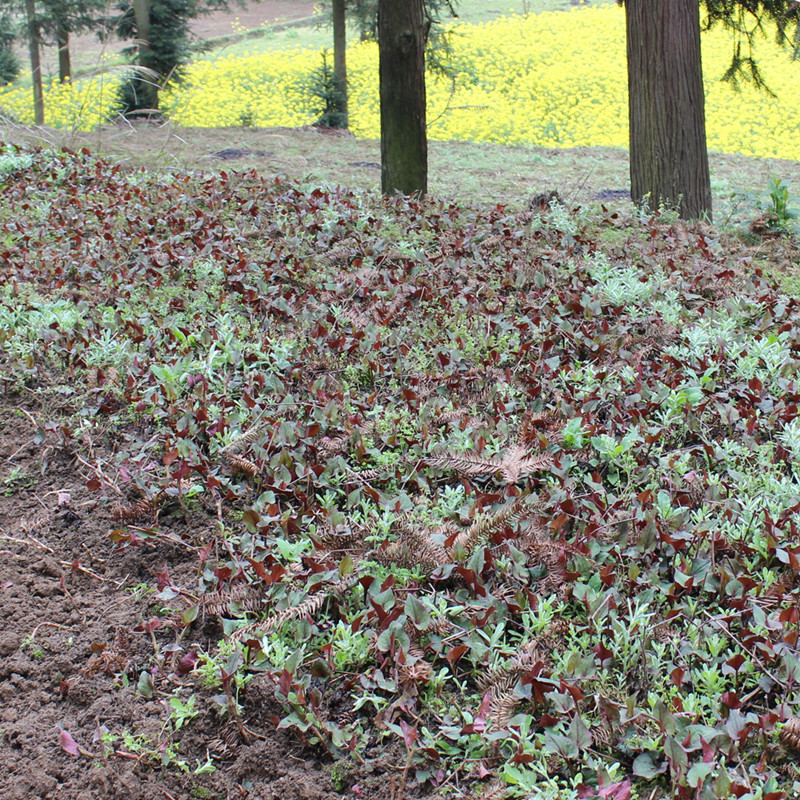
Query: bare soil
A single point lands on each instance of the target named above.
(67, 600)
(68, 662)
(87, 50)
(255, 15)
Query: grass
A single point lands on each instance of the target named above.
(317, 35)
(91, 55)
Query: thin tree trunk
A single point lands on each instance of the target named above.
(141, 9)
(404, 143)
(669, 160)
(34, 45)
(340, 60)
(146, 84)
(64, 61)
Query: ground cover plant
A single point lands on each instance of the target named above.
(308, 493)
(555, 79)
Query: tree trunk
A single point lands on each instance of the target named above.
(34, 45)
(669, 161)
(404, 143)
(145, 84)
(340, 61)
(64, 62)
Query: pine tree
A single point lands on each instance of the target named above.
(163, 34)
(669, 160)
(9, 62)
(59, 19)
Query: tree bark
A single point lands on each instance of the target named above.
(340, 59)
(34, 46)
(669, 160)
(64, 61)
(404, 142)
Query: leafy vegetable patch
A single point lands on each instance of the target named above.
(462, 482)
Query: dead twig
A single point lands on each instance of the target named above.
(33, 633)
(29, 542)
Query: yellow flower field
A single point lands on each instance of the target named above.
(556, 79)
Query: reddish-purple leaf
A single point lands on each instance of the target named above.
(68, 744)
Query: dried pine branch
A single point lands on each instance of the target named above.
(416, 549)
(414, 671)
(501, 708)
(400, 554)
(495, 791)
(500, 683)
(543, 551)
(454, 415)
(532, 423)
(551, 640)
(338, 255)
(249, 436)
(466, 464)
(386, 314)
(329, 447)
(246, 596)
(790, 733)
(483, 527)
(518, 463)
(307, 608)
(356, 318)
(143, 509)
(242, 466)
(529, 654)
(335, 540)
(40, 521)
(367, 475)
(494, 676)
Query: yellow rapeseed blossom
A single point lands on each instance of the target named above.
(555, 80)
(82, 105)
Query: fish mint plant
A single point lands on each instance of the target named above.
(468, 497)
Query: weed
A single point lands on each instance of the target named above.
(17, 480)
(781, 216)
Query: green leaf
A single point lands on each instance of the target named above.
(698, 773)
(675, 753)
(417, 613)
(579, 733)
(663, 715)
(346, 567)
(558, 744)
(145, 685)
(644, 766)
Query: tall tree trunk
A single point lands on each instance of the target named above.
(404, 142)
(340, 61)
(146, 86)
(669, 160)
(34, 45)
(64, 62)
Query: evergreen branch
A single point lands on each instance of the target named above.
(465, 464)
